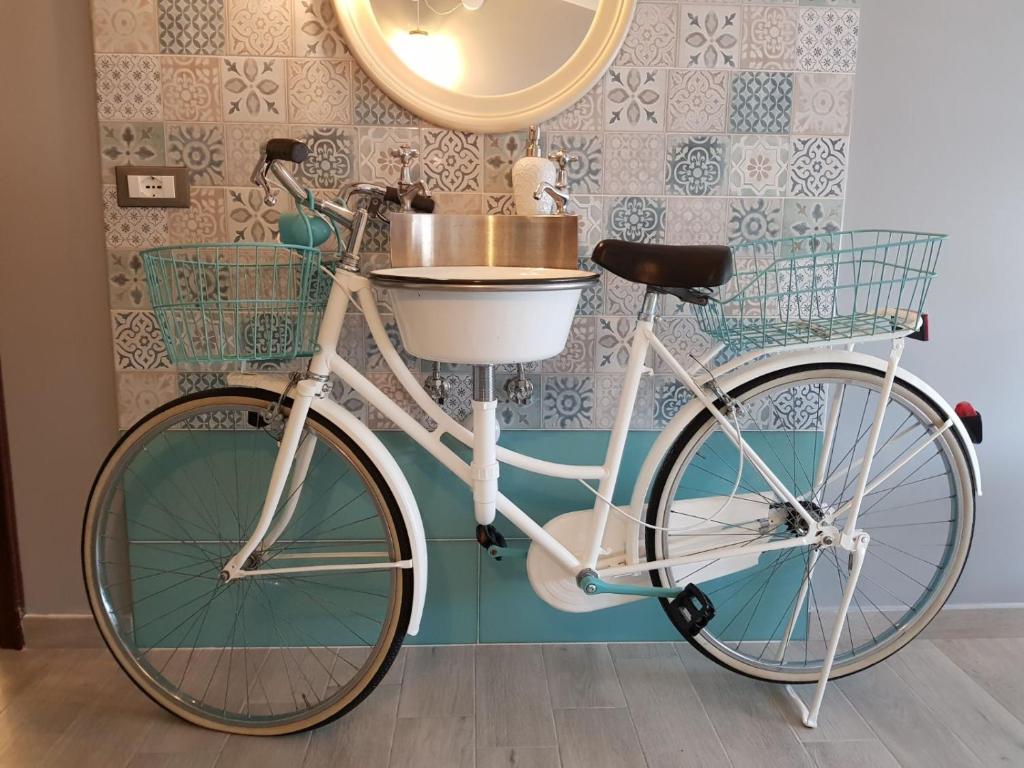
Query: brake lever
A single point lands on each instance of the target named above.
(259, 179)
(378, 209)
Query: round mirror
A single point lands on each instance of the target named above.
(484, 65)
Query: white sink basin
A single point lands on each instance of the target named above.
(481, 315)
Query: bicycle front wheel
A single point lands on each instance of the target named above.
(260, 655)
(774, 612)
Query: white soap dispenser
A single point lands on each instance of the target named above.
(528, 173)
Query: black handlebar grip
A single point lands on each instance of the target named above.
(421, 203)
(287, 149)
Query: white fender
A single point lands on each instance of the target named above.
(753, 371)
(385, 464)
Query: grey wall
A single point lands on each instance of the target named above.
(937, 145)
(54, 323)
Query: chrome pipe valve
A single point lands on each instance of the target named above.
(518, 388)
(436, 386)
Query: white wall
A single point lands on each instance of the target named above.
(938, 144)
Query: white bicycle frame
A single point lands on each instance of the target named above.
(482, 473)
(596, 561)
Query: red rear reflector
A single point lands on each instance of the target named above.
(965, 410)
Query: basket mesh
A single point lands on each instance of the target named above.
(238, 302)
(820, 288)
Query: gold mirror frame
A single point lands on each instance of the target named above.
(485, 114)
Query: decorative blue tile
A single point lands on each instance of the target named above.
(499, 204)
(709, 36)
(138, 345)
(589, 209)
(452, 161)
(128, 87)
(200, 148)
(759, 166)
(459, 402)
(683, 338)
(696, 220)
(698, 101)
(317, 30)
(637, 219)
(578, 355)
(501, 151)
(634, 99)
(812, 217)
(622, 297)
(130, 144)
(769, 38)
(827, 39)
(195, 381)
(374, 107)
(585, 115)
(331, 160)
(191, 26)
(128, 228)
(585, 169)
(592, 299)
(753, 219)
(762, 102)
(614, 337)
(634, 163)
(141, 392)
(568, 402)
(818, 167)
(651, 39)
(696, 165)
(669, 396)
(127, 281)
(823, 104)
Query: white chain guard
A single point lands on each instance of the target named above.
(553, 582)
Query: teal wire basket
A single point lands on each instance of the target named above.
(236, 302)
(823, 288)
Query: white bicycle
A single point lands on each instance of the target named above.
(254, 555)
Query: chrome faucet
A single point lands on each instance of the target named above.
(407, 188)
(559, 191)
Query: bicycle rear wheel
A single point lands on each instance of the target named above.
(260, 655)
(774, 612)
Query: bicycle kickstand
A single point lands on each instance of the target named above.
(809, 715)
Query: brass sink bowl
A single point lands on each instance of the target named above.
(458, 240)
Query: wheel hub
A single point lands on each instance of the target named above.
(795, 524)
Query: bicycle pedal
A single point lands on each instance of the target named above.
(694, 609)
(491, 539)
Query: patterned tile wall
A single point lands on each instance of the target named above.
(717, 122)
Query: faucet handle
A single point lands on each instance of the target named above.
(405, 154)
(562, 158)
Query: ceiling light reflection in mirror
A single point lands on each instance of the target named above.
(484, 47)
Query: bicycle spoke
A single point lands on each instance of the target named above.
(249, 653)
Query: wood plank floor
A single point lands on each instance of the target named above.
(954, 698)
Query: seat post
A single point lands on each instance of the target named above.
(649, 310)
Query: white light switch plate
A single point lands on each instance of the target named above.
(152, 186)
